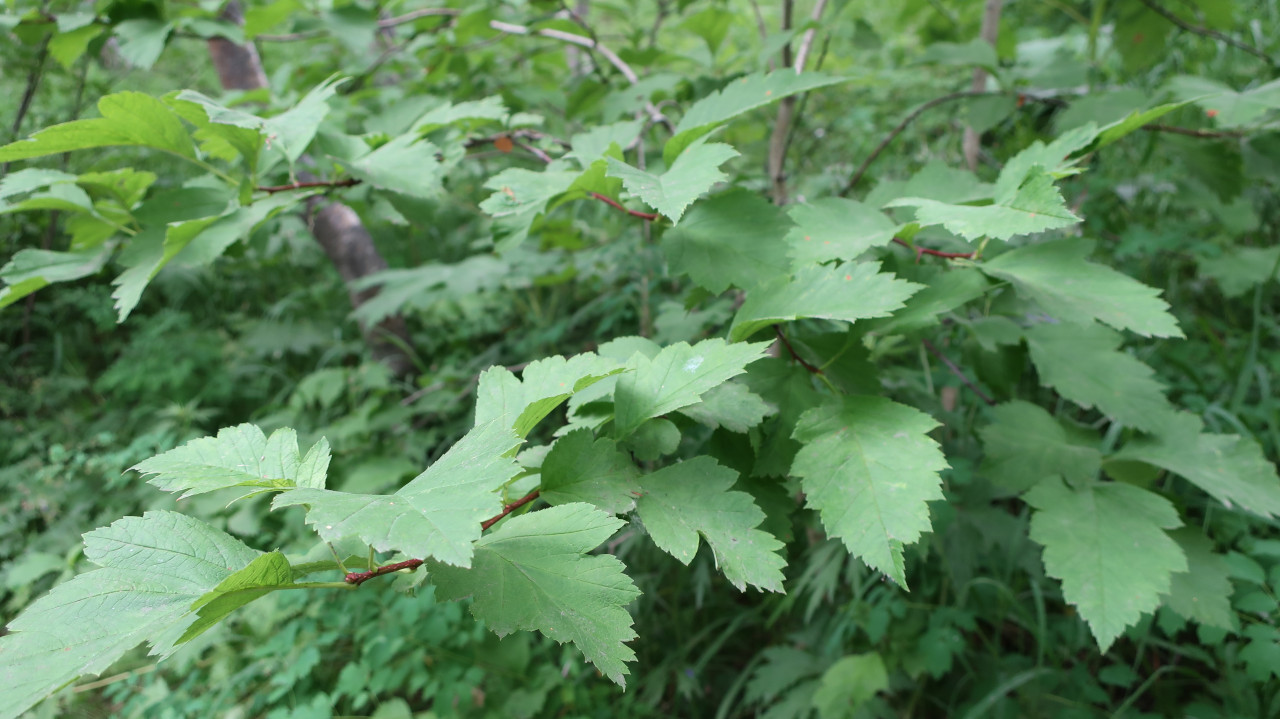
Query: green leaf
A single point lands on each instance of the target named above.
(405, 165)
(734, 238)
(1024, 445)
(692, 173)
(266, 574)
(142, 40)
(869, 468)
(676, 378)
(849, 683)
(128, 118)
(977, 52)
(739, 96)
(653, 439)
(292, 130)
(438, 514)
(1231, 468)
(521, 195)
(30, 269)
(946, 291)
(849, 292)
(1230, 108)
(153, 568)
(680, 502)
(1034, 206)
(1131, 123)
(1239, 269)
(1083, 364)
(732, 406)
(1262, 655)
(544, 385)
(240, 456)
(590, 146)
(578, 469)
(534, 573)
(834, 228)
(1203, 592)
(1058, 278)
(70, 45)
(1108, 546)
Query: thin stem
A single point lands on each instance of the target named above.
(510, 508)
(1165, 13)
(955, 370)
(936, 253)
(634, 213)
(806, 43)
(272, 189)
(1205, 134)
(777, 329)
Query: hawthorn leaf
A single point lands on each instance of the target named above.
(142, 40)
(849, 683)
(1108, 546)
(405, 164)
(1262, 655)
(543, 386)
(1053, 158)
(1024, 445)
(265, 574)
(944, 292)
(682, 501)
(1203, 592)
(849, 292)
(153, 568)
(534, 573)
(128, 118)
(677, 377)
(521, 195)
(1058, 278)
(1034, 206)
(1131, 123)
(1083, 363)
(653, 439)
(734, 238)
(292, 130)
(241, 456)
(31, 269)
(578, 469)
(692, 173)
(739, 96)
(834, 228)
(437, 514)
(869, 468)
(732, 406)
(1231, 468)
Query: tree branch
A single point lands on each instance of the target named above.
(777, 329)
(1203, 31)
(957, 372)
(272, 189)
(936, 253)
(510, 508)
(989, 32)
(779, 140)
(634, 213)
(1204, 134)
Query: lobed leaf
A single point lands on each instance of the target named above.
(692, 173)
(241, 456)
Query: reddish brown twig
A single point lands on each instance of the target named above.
(792, 350)
(634, 213)
(936, 253)
(1205, 134)
(272, 189)
(358, 578)
(957, 372)
(509, 508)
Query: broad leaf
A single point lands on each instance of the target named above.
(692, 173)
(30, 269)
(1024, 445)
(292, 130)
(239, 456)
(405, 165)
(849, 683)
(945, 292)
(1058, 278)
(154, 567)
(578, 469)
(543, 386)
(849, 292)
(128, 118)
(1108, 546)
(265, 574)
(734, 238)
(1034, 206)
(694, 497)
(438, 514)
(676, 378)
(1231, 468)
(1083, 363)
(521, 195)
(1203, 592)
(834, 228)
(732, 406)
(869, 468)
(534, 573)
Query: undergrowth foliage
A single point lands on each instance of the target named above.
(778, 417)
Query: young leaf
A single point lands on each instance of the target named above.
(1058, 278)
(265, 574)
(1034, 206)
(437, 514)
(1108, 546)
(533, 573)
(1083, 364)
(128, 118)
(734, 238)
(1024, 444)
(680, 502)
(1231, 468)
(676, 378)
(693, 173)
(153, 568)
(834, 228)
(239, 456)
(869, 468)
(849, 292)
(544, 385)
(578, 469)
(1203, 592)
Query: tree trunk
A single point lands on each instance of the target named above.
(336, 227)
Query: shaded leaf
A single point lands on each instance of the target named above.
(240, 456)
(580, 469)
(692, 173)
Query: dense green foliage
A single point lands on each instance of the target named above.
(714, 374)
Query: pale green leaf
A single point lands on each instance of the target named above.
(142, 40)
(1230, 108)
(534, 573)
(869, 468)
(240, 456)
(676, 378)
(265, 574)
(153, 568)
(1203, 592)
(437, 514)
(578, 469)
(1131, 123)
(1108, 546)
(543, 385)
(977, 52)
(521, 195)
(128, 118)
(31, 269)
(731, 405)
(1083, 363)
(694, 497)
(849, 292)
(1231, 468)
(734, 238)
(850, 683)
(945, 292)
(1058, 278)
(489, 109)
(1034, 206)
(590, 146)
(405, 165)
(834, 228)
(293, 129)
(70, 45)
(1024, 444)
(692, 173)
